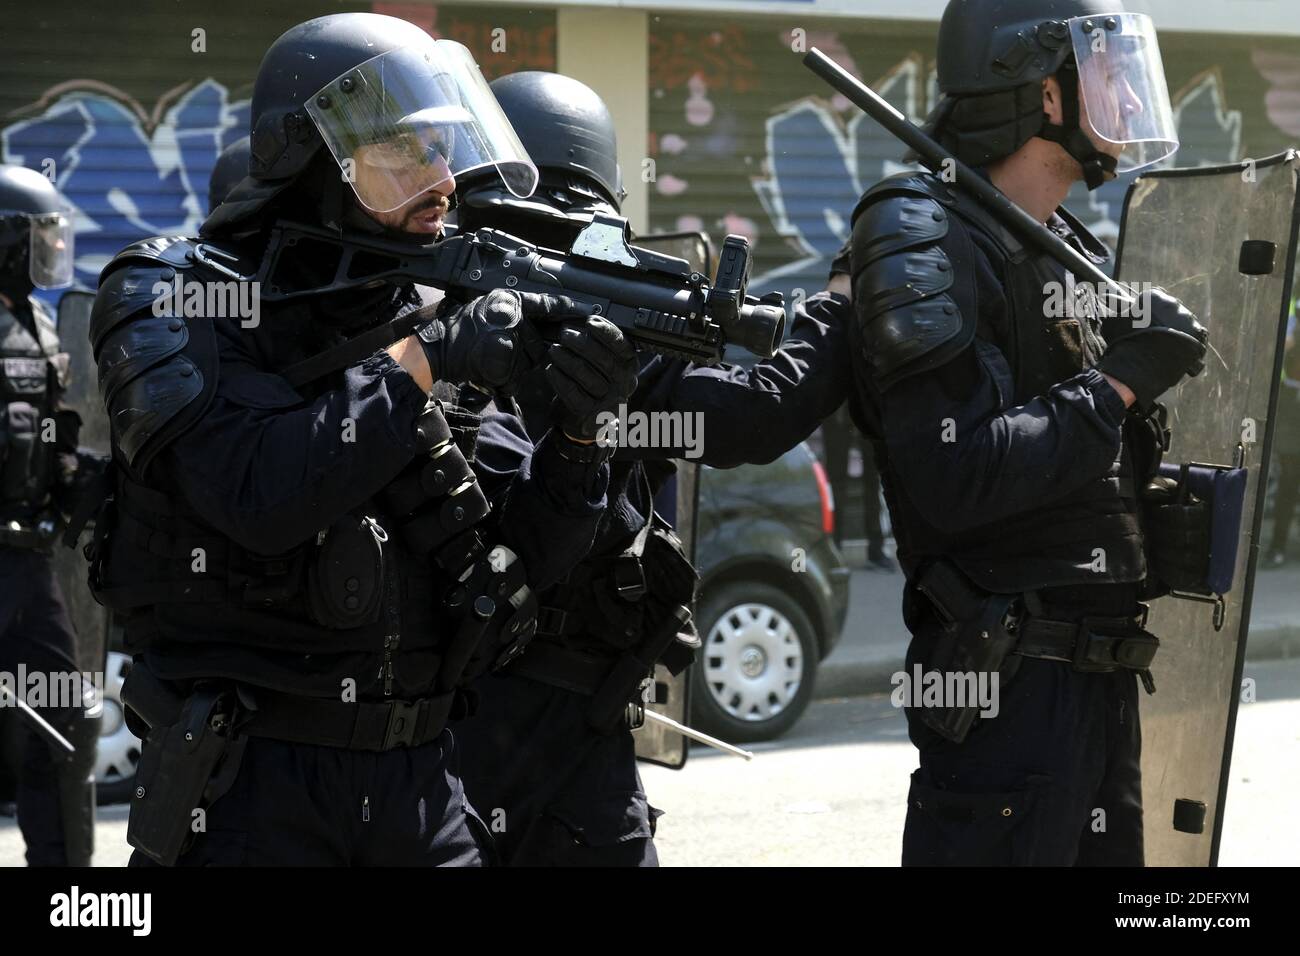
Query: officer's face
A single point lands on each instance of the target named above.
(402, 168)
(1052, 106)
(1121, 104)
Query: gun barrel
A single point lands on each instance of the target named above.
(760, 329)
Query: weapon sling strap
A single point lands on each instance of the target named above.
(355, 349)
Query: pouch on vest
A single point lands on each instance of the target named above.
(23, 476)
(345, 580)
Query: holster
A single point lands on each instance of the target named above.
(184, 766)
(632, 676)
(979, 630)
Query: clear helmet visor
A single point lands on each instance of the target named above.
(409, 120)
(51, 252)
(1125, 100)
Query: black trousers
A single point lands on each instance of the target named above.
(35, 631)
(302, 805)
(553, 791)
(1053, 780)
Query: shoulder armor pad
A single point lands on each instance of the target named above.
(127, 283)
(906, 184)
(910, 322)
(953, 200)
(157, 371)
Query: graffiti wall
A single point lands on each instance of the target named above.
(129, 114)
(746, 140)
(131, 127)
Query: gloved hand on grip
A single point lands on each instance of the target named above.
(593, 368)
(1154, 346)
(492, 340)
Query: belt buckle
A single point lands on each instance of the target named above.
(402, 721)
(1083, 638)
(629, 578)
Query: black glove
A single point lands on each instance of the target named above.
(491, 340)
(1154, 347)
(593, 369)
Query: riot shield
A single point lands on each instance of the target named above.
(89, 620)
(1223, 240)
(656, 743)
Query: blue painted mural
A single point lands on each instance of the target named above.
(128, 173)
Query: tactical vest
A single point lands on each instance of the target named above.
(33, 373)
(1093, 536)
(395, 579)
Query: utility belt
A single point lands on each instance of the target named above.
(983, 633)
(195, 742)
(1098, 644)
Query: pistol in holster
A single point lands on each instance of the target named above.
(979, 629)
(630, 683)
(190, 758)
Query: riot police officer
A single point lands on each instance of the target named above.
(1013, 440)
(38, 480)
(549, 757)
(309, 568)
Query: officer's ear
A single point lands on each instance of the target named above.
(1052, 108)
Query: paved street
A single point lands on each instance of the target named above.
(832, 791)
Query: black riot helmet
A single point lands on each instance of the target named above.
(568, 133)
(36, 238)
(994, 54)
(374, 102)
(230, 170)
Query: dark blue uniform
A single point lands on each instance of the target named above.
(1005, 454)
(554, 790)
(227, 504)
(37, 478)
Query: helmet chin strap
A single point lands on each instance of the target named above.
(1069, 135)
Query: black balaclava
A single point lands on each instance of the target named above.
(15, 259)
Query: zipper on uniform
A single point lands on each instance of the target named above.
(365, 810)
(390, 594)
(390, 644)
